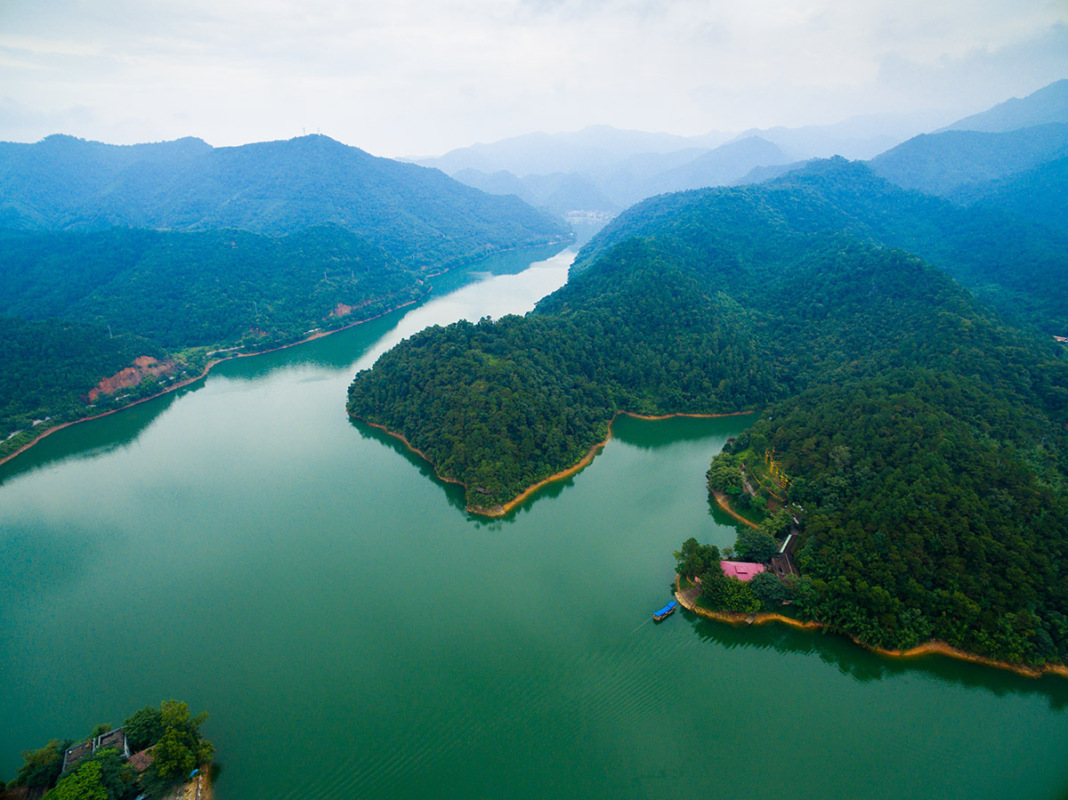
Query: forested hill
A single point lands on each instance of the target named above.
(954, 423)
(418, 215)
(941, 163)
(1015, 266)
(175, 250)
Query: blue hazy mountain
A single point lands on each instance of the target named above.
(416, 214)
(1049, 104)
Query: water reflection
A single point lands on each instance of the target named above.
(652, 434)
(342, 350)
(865, 666)
(645, 434)
(109, 434)
(454, 493)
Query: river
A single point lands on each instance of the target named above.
(353, 632)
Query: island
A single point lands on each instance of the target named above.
(157, 753)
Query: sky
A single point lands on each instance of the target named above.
(420, 77)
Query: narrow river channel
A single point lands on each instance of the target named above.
(354, 633)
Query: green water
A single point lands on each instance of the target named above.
(354, 633)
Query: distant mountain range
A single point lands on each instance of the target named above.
(1049, 104)
(145, 260)
(604, 170)
(1013, 157)
(418, 215)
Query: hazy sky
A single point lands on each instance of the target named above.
(414, 77)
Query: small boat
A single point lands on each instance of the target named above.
(666, 611)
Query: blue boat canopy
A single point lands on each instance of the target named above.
(666, 608)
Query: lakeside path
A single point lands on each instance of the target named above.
(582, 463)
(687, 599)
(203, 374)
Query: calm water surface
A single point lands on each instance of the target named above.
(353, 632)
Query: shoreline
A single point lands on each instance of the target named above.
(203, 374)
(724, 503)
(504, 508)
(305, 340)
(927, 648)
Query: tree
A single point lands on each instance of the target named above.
(83, 784)
(755, 545)
(41, 767)
(143, 728)
(695, 559)
(778, 524)
(769, 589)
(181, 747)
(728, 594)
(175, 755)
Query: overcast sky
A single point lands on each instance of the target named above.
(419, 77)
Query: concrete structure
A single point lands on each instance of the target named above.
(115, 739)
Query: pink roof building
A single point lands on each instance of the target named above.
(742, 570)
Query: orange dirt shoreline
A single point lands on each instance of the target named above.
(203, 374)
(928, 648)
(501, 510)
(722, 502)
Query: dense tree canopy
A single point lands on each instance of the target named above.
(177, 249)
(925, 436)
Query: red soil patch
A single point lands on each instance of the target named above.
(343, 310)
(143, 366)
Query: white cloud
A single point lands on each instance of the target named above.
(421, 76)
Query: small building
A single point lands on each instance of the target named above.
(75, 755)
(741, 570)
(115, 739)
(783, 564)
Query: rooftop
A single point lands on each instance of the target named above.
(742, 570)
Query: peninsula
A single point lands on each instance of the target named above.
(896, 405)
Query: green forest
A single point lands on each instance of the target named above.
(177, 250)
(925, 434)
(79, 307)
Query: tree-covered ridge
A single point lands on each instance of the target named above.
(953, 423)
(677, 324)
(941, 163)
(931, 511)
(501, 405)
(77, 307)
(1040, 194)
(1019, 268)
(191, 289)
(418, 215)
(1012, 264)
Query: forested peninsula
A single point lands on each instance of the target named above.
(127, 271)
(925, 434)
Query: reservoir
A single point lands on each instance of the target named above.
(354, 633)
